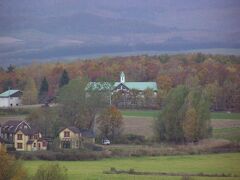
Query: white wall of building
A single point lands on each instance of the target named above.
(10, 102)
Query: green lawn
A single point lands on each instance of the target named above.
(214, 163)
(154, 113)
(232, 134)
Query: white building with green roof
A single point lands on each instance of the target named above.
(10, 98)
(128, 94)
(140, 86)
(123, 85)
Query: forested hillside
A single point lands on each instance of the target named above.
(218, 74)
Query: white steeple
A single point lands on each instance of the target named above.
(122, 77)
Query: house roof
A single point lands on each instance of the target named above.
(30, 141)
(100, 86)
(141, 86)
(8, 93)
(11, 126)
(28, 131)
(71, 128)
(87, 133)
(12, 123)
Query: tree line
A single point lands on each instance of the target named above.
(218, 73)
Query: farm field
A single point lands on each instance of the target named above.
(222, 128)
(92, 170)
(140, 122)
(154, 113)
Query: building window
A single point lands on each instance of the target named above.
(19, 145)
(19, 137)
(35, 136)
(66, 134)
(66, 145)
(34, 144)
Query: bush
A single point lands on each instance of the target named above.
(13, 111)
(50, 172)
(63, 155)
(131, 139)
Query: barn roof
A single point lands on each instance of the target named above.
(8, 93)
(106, 86)
(141, 86)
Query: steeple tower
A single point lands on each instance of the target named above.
(122, 77)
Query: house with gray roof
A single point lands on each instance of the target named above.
(73, 138)
(10, 98)
(21, 136)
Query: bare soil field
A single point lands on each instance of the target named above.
(225, 123)
(144, 125)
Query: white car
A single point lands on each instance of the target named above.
(106, 142)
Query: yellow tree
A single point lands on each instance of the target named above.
(30, 92)
(190, 125)
(11, 169)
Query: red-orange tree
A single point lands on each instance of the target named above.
(110, 123)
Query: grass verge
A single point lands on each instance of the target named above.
(228, 163)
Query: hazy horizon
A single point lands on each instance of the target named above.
(48, 29)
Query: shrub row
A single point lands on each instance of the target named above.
(13, 111)
(61, 155)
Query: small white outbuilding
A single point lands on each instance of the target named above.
(10, 98)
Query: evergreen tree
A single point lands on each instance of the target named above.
(64, 78)
(10, 68)
(43, 90)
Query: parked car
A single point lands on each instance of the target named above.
(106, 142)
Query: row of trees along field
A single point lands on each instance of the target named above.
(185, 116)
(218, 73)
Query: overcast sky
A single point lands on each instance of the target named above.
(46, 29)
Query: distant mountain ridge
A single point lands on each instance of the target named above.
(48, 29)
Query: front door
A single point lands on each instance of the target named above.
(66, 144)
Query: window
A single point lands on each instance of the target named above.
(66, 145)
(19, 137)
(19, 145)
(66, 134)
(34, 144)
(35, 136)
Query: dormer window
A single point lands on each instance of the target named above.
(66, 134)
(19, 137)
(25, 127)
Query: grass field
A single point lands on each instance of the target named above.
(92, 170)
(154, 113)
(232, 134)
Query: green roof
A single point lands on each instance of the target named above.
(101, 86)
(8, 93)
(141, 86)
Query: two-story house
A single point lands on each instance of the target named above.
(21, 136)
(73, 137)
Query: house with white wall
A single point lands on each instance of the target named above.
(10, 98)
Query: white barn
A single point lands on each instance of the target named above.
(10, 98)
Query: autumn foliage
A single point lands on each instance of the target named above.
(110, 123)
(11, 169)
(220, 74)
